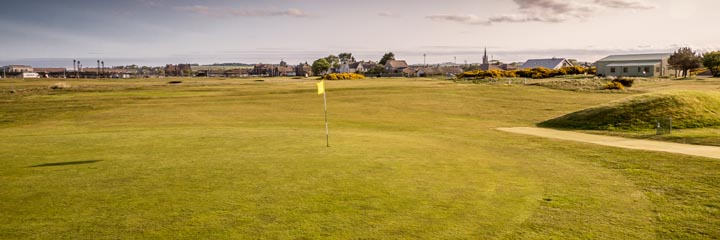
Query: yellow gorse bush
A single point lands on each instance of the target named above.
(342, 76)
(538, 72)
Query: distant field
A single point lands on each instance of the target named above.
(409, 158)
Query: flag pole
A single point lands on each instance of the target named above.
(327, 129)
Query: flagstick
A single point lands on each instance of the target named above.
(327, 130)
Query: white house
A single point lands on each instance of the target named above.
(550, 63)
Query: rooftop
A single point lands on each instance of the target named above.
(636, 57)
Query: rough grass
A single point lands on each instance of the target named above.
(409, 159)
(688, 109)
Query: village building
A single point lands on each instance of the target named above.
(437, 71)
(395, 66)
(356, 67)
(635, 65)
(51, 72)
(549, 63)
(508, 67)
(18, 69)
(180, 70)
(487, 64)
(304, 70)
(261, 70)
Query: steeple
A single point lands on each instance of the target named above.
(485, 57)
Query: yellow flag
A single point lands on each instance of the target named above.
(321, 87)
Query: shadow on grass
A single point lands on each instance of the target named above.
(66, 163)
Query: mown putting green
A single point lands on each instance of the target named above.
(409, 158)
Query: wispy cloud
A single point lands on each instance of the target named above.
(386, 14)
(548, 11)
(625, 4)
(237, 12)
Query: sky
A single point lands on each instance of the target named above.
(156, 32)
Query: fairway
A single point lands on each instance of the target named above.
(408, 159)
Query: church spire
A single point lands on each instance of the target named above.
(485, 57)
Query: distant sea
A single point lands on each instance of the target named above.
(459, 56)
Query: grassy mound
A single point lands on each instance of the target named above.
(688, 109)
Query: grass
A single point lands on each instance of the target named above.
(698, 136)
(687, 109)
(409, 159)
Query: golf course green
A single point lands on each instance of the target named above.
(408, 159)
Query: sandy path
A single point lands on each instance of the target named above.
(695, 150)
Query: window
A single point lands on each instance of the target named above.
(625, 70)
(639, 69)
(646, 70)
(612, 70)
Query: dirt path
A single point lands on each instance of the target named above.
(695, 150)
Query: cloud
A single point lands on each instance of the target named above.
(386, 14)
(625, 4)
(236, 12)
(199, 9)
(547, 11)
(461, 18)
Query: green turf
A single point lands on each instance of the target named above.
(687, 109)
(409, 159)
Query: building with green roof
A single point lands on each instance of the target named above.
(635, 65)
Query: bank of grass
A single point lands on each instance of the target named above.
(412, 159)
(687, 109)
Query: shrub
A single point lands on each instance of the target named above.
(572, 70)
(614, 85)
(592, 70)
(538, 72)
(342, 76)
(541, 72)
(626, 82)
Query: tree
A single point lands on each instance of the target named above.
(711, 61)
(320, 66)
(684, 59)
(333, 61)
(387, 57)
(377, 69)
(346, 57)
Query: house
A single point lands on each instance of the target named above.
(436, 71)
(395, 66)
(180, 70)
(409, 72)
(635, 65)
(261, 70)
(345, 68)
(508, 67)
(354, 67)
(18, 69)
(51, 72)
(550, 63)
(368, 65)
(237, 72)
(304, 70)
(283, 70)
